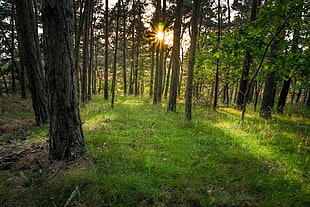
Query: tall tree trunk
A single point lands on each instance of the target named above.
(158, 70)
(168, 80)
(247, 63)
(106, 54)
(270, 85)
(66, 135)
(78, 31)
(137, 59)
(91, 51)
(85, 65)
(217, 59)
(191, 64)
(29, 42)
(175, 57)
(12, 50)
(115, 56)
(124, 49)
(152, 72)
(21, 71)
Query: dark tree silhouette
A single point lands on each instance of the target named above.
(66, 135)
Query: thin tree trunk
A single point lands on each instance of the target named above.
(85, 67)
(22, 79)
(175, 57)
(217, 59)
(191, 64)
(152, 72)
(283, 95)
(91, 51)
(106, 54)
(66, 134)
(12, 50)
(115, 56)
(247, 63)
(124, 49)
(29, 43)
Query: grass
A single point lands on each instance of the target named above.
(144, 156)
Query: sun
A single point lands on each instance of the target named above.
(160, 36)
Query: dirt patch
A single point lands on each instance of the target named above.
(17, 125)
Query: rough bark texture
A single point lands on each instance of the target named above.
(191, 64)
(175, 58)
(29, 42)
(66, 135)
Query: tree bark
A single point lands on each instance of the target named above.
(191, 64)
(85, 68)
(175, 58)
(66, 135)
(283, 95)
(268, 97)
(29, 42)
(124, 49)
(106, 55)
(115, 56)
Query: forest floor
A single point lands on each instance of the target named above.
(139, 155)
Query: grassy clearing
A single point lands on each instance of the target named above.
(144, 156)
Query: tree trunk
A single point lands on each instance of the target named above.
(168, 80)
(26, 28)
(217, 59)
(191, 64)
(106, 54)
(66, 135)
(124, 49)
(152, 72)
(175, 58)
(91, 50)
(247, 63)
(308, 100)
(268, 97)
(115, 56)
(137, 64)
(283, 95)
(12, 50)
(21, 71)
(298, 95)
(85, 65)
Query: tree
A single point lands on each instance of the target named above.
(247, 62)
(106, 54)
(175, 57)
(115, 55)
(66, 134)
(191, 63)
(217, 59)
(29, 44)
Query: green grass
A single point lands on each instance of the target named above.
(144, 156)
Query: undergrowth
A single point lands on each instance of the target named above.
(144, 156)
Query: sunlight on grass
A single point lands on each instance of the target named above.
(143, 156)
(252, 143)
(133, 102)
